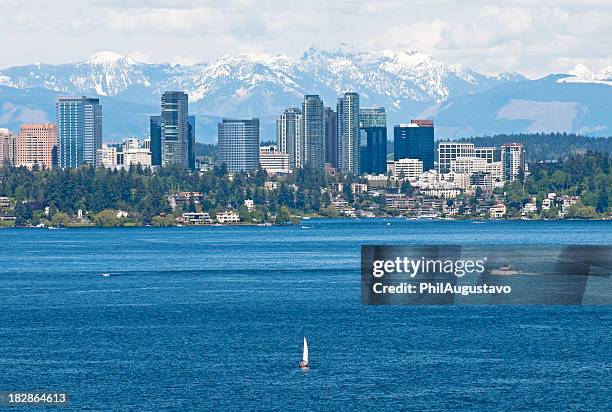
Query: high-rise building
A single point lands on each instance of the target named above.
(415, 141)
(8, 147)
(155, 138)
(331, 136)
(313, 131)
(513, 160)
(238, 144)
(449, 151)
(79, 130)
(175, 129)
(372, 117)
(191, 143)
(373, 126)
(348, 133)
(36, 144)
(289, 137)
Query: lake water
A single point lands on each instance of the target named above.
(213, 318)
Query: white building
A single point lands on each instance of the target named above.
(136, 157)
(487, 153)
(106, 156)
(131, 143)
(496, 170)
(273, 161)
(407, 169)
(359, 188)
(498, 211)
(378, 181)
(196, 218)
(529, 208)
(461, 180)
(449, 151)
(513, 160)
(250, 205)
(468, 165)
(228, 216)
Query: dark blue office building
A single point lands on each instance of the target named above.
(415, 141)
(374, 150)
(191, 144)
(155, 134)
(174, 107)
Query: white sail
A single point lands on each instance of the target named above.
(305, 355)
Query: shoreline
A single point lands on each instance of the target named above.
(301, 222)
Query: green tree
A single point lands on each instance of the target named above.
(60, 219)
(283, 217)
(108, 218)
(602, 201)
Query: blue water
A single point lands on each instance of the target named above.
(213, 318)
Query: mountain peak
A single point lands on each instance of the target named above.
(582, 74)
(510, 76)
(108, 58)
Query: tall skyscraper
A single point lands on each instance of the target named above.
(331, 136)
(191, 144)
(313, 131)
(513, 160)
(155, 136)
(174, 129)
(373, 130)
(348, 133)
(289, 138)
(8, 147)
(415, 141)
(79, 130)
(238, 144)
(36, 144)
(372, 117)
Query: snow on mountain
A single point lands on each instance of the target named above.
(389, 76)
(582, 74)
(407, 83)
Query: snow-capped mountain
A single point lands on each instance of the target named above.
(582, 74)
(395, 75)
(407, 83)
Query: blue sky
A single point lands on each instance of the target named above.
(532, 37)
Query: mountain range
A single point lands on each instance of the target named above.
(408, 84)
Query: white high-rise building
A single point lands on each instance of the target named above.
(238, 144)
(289, 138)
(449, 151)
(513, 160)
(348, 133)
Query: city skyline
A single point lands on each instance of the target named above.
(534, 39)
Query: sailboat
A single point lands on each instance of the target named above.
(304, 362)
